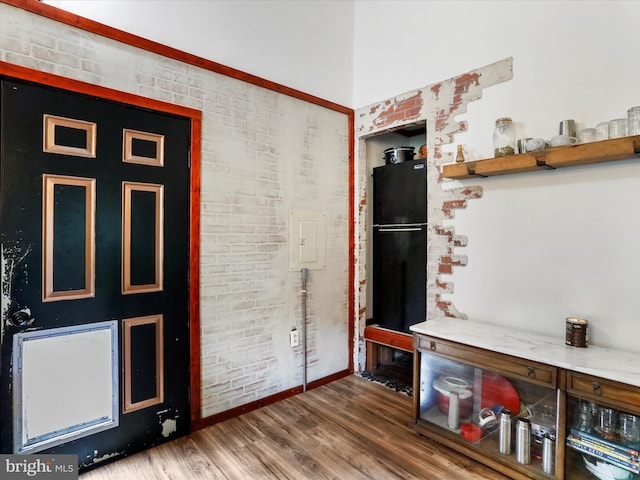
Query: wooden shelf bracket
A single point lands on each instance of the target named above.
(471, 168)
(542, 162)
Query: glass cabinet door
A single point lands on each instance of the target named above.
(602, 442)
(508, 419)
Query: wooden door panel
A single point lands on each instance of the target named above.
(69, 136)
(143, 353)
(68, 266)
(142, 237)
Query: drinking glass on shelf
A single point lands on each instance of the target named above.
(629, 428)
(583, 416)
(618, 128)
(602, 131)
(607, 422)
(633, 126)
(587, 135)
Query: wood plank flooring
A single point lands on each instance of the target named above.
(349, 429)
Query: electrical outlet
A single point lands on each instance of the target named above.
(294, 338)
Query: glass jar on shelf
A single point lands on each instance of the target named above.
(607, 422)
(584, 416)
(629, 429)
(633, 121)
(504, 138)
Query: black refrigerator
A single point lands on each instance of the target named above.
(400, 244)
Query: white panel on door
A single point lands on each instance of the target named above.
(49, 367)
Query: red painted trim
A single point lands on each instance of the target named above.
(97, 28)
(328, 379)
(401, 341)
(194, 273)
(263, 402)
(92, 26)
(246, 408)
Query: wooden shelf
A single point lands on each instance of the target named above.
(549, 159)
(384, 336)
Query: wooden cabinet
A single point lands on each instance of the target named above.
(602, 441)
(548, 159)
(479, 367)
(483, 383)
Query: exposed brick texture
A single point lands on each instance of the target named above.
(437, 104)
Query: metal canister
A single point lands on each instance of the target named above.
(548, 447)
(505, 432)
(453, 419)
(577, 332)
(523, 441)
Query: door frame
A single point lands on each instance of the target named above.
(49, 79)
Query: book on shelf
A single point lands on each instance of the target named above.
(599, 440)
(611, 453)
(615, 459)
(627, 457)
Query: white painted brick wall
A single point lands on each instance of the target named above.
(263, 154)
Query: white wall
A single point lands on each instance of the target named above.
(305, 45)
(541, 246)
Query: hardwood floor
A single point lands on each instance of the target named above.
(349, 429)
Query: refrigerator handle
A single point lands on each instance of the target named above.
(400, 229)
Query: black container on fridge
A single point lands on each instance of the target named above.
(400, 244)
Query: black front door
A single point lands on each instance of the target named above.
(94, 223)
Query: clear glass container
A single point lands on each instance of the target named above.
(618, 127)
(587, 135)
(607, 422)
(629, 429)
(602, 131)
(504, 138)
(583, 416)
(633, 125)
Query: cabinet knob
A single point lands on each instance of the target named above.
(597, 389)
(432, 346)
(531, 372)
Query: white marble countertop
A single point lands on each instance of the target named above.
(593, 360)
